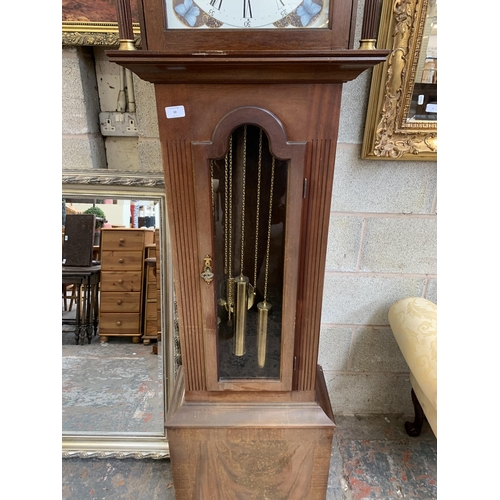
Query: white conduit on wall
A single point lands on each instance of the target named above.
(130, 91)
(121, 104)
(126, 100)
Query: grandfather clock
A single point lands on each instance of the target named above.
(248, 97)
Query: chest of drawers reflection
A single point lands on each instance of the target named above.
(122, 282)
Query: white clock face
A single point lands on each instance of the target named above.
(247, 13)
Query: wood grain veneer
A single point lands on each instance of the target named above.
(234, 450)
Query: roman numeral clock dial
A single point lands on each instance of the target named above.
(247, 13)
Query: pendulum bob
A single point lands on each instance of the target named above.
(263, 314)
(252, 293)
(242, 301)
(225, 308)
(226, 305)
(226, 300)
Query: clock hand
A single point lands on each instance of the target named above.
(247, 8)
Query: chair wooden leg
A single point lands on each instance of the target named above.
(413, 429)
(73, 297)
(65, 300)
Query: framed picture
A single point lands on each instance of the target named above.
(401, 122)
(94, 22)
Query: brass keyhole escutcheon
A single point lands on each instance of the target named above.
(207, 275)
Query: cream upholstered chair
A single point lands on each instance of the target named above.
(413, 322)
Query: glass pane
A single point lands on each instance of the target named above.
(423, 105)
(249, 206)
(260, 14)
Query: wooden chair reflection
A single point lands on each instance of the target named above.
(68, 287)
(72, 297)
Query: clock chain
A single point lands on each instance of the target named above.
(257, 211)
(229, 232)
(242, 283)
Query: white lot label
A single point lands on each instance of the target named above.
(175, 111)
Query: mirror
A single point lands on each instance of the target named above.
(401, 121)
(116, 393)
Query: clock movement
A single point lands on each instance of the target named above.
(248, 97)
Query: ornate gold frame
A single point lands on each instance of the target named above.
(91, 33)
(388, 135)
(137, 185)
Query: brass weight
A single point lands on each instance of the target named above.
(263, 308)
(242, 283)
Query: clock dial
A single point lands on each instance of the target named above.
(247, 13)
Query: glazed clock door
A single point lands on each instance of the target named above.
(249, 196)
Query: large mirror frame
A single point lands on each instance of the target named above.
(135, 185)
(388, 134)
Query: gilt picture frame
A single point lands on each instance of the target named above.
(389, 135)
(94, 23)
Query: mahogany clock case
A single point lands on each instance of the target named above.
(208, 84)
(311, 150)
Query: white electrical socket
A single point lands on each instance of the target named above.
(131, 126)
(114, 123)
(107, 127)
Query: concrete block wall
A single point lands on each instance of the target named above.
(381, 246)
(91, 85)
(82, 142)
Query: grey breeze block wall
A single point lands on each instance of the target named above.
(381, 242)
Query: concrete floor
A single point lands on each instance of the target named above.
(113, 387)
(372, 458)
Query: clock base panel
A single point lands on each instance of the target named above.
(254, 450)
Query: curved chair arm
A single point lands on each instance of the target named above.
(413, 321)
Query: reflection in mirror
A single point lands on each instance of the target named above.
(115, 387)
(424, 98)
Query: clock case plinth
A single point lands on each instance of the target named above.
(249, 439)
